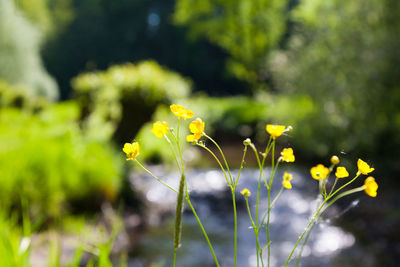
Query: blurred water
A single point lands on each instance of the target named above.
(212, 200)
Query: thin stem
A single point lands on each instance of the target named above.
(352, 180)
(269, 199)
(304, 232)
(155, 177)
(352, 191)
(220, 165)
(179, 147)
(259, 252)
(333, 186)
(174, 256)
(203, 230)
(173, 153)
(233, 187)
(223, 156)
(255, 228)
(235, 217)
(272, 204)
(241, 165)
(303, 245)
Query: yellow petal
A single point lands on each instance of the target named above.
(275, 130)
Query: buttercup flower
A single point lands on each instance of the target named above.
(275, 130)
(196, 127)
(160, 128)
(181, 112)
(319, 172)
(335, 160)
(363, 167)
(370, 186)
(287, 177)
(131, 150)
(287, 155)
(245, 192)
(341, 172)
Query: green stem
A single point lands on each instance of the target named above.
(203, 230)
(352, 180)
(220, 165)
(223, 157)
(269, 201)
(333, 187)
(272, 204)
(235, 217)
(155, 177)
(303, 245)
(178, 215)
(255, 228)
(232, 185)
(173, 153)
(304, 232)
(241, 165)
(352, 191)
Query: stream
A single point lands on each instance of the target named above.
(328, 246)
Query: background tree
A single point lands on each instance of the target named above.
(247, 30)
(345, 55)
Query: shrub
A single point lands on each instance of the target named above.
(46, 159)
(121, 99)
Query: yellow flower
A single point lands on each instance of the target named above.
(160, 128)
(363, 167)
(181, 112)
(287, 155)
(275, 130)
(335, 160)
(341, 172)
(131, 150)
(245, 192)
(370, 186)
(319, 172)
(196, 127)
(287, 177)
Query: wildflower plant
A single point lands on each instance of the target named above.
(328, 194)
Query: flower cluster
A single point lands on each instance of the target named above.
(319, 172)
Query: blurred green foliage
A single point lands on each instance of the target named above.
(345, 55)
(48, 160)
(19, 97)
(247, 30)
(121, 99)
(20, 61)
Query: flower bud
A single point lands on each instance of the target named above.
(247, 142)
(245, 192)
(335, 160)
